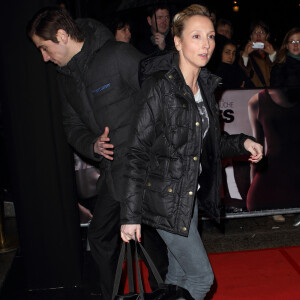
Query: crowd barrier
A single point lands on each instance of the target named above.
(234, 119)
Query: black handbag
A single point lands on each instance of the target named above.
(163, 292)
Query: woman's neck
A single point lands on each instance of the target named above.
(297, 57)
(190, 76)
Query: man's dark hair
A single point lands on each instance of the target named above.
(47, 21)
(117, 23)
(222, 22)
(151, 10)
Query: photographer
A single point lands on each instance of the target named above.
(258, 56)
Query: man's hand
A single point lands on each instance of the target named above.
(101, 146)
(129, 231)
(255, 149)
(160, 40)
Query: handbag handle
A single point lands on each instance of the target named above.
(130, 271)
(119, 270)
(150, 263)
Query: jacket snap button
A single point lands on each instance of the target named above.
(197, 123)
(149, 184)
(184, 105)
(170, 190)
(184, 228)
(195, 158)
(170, 76)
(191, 193)
(184, 94)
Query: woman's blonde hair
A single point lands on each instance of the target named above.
(181, 17)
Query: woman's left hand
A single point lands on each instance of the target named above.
(130, 231)
(255, 149)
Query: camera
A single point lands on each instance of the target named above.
(258, 45)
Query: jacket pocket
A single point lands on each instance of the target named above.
(159, 196)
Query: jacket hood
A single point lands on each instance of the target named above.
(170, 61)
(96, 35)
(156, 63)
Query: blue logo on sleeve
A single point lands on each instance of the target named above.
(101, 88)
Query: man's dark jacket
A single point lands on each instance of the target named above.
(165, 150)
(146, 46)
(99, 87)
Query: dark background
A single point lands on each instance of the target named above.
(281, 15)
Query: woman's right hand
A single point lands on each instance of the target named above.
(248, 49)
(129, 231)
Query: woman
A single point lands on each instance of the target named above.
(175, 151)
(258, 56)
(274, 117)
(286, 72)
(233, 77)
(121, 30)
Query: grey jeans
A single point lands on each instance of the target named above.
(189, 266)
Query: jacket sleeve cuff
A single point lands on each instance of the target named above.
(127, 217)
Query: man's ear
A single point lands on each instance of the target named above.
(149, 20)
(177, 43)
(62, 36)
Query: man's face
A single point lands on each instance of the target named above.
(224, 30)
(54, 52)
(258, 35)
(162, 19)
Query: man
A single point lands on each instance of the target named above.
(225, 28)
(98, 83)
(159, 38)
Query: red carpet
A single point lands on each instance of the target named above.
(268, 274)
(257, 274)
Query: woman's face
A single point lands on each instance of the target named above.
(123, 34)
(228, 54)
(293, 45)
(197, 42)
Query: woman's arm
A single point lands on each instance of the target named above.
(142, 137)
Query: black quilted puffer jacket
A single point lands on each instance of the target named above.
(166, 149)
